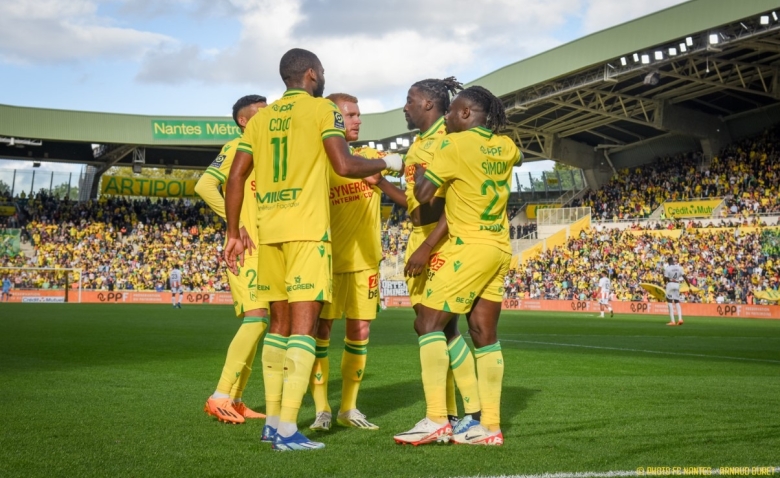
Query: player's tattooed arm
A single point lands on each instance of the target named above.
(419, 258)
(234, 199)
(346, 164)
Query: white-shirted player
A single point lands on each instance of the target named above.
(673, 274)
(175, 279)
(605, 293)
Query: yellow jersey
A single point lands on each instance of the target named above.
(220, 169)
(477, 165)
(421, 152)
(291, 166)
(355, 220)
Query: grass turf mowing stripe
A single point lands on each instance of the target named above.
(621, 349)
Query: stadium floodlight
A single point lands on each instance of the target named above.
(689, 41)
(774, 15)
(714, 40)
(764, 19)
(672, 51)
(683, 48)
(623, 61)
(405, 142)
(636, 57)
(371, 144)
(645, 59)
(379, 147)
(393, 145)
(659, 55)
(399, 140)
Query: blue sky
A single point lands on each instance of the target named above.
(195, 57)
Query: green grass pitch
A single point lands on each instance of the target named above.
(112, 390)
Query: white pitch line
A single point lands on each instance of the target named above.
(579, 474)
(642, 351)
(604, 474)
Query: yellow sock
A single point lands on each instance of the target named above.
(462, 364)
(319, 376)
(297, 370)
(240, 353)
(452, 403)
(490, 365)
(435, 360)
(274, 352)
(353, 366)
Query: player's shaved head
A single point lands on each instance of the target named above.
(295, 63)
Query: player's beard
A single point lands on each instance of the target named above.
(320, 88)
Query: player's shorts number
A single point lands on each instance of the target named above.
(251, 272)
(497, 193)
(280, 157)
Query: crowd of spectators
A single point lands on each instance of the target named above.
(726, 265)
(746, 174)
(120, 244)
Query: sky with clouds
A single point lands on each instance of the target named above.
(195, 57)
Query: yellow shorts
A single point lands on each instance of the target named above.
(416, 285)
(355, 295)
(243, 287)
(297, 271)
(463, 273)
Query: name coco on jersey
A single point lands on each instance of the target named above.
(345, 193)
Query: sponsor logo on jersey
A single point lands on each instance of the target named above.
(278, 196)
(338, 120)
(436, 262)
(219, 159)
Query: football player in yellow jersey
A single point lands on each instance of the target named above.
(476, 164)
(226, 403)
(426, 103)
(357, 251)
(291, 145)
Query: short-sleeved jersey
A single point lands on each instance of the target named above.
(291, 166)
(477, 166)
(605, 284)
(175, 275)
(355, 221)
(220, 169)
(673, 272)
(421, 152)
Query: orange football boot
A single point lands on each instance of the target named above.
(245, 411)
(222, 408)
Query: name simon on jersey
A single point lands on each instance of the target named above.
(278, 196)
(495, 167)
(492, 228)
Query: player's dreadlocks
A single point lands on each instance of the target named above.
(492, 106)
(439, 91)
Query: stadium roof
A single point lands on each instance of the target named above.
(590, 91)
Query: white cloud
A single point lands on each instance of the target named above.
(66, 30)
(601, 14)
(372, 50)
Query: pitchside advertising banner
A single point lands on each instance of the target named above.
(393, 287)
(163, 188)
(701, 208)
(224, 130)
